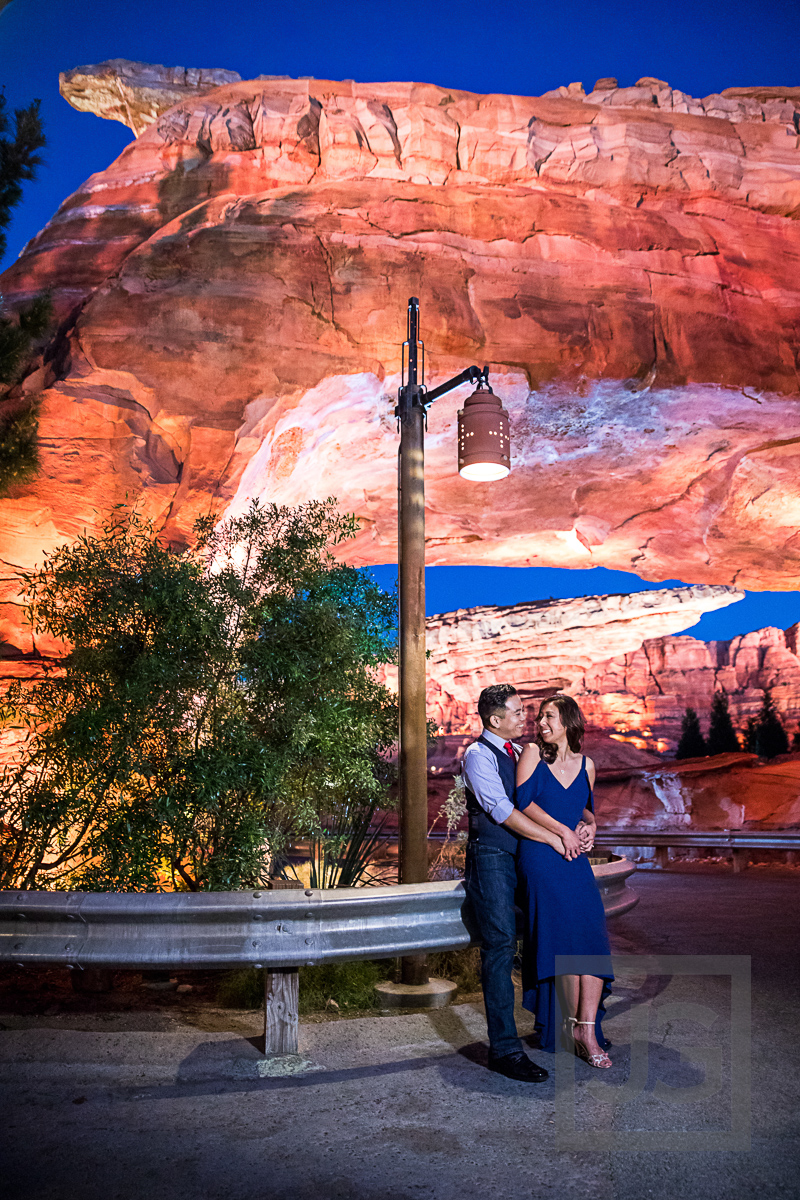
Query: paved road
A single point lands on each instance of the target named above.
(401, 1108)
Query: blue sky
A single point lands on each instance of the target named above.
(503, 47)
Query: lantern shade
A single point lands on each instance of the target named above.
(484, 438)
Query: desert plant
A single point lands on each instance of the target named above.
(449, 862)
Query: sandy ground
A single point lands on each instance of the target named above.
(115, 1097)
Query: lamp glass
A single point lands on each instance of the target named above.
(483, 472)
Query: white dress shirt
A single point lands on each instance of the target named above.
(482, 776)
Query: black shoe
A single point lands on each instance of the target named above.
(517, 1066)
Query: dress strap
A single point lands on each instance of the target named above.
(590, 805)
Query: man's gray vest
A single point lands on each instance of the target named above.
(482, 827)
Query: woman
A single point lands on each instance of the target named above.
(562, 905)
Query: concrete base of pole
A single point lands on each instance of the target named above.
(436, 993)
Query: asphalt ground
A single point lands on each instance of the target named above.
(130, 1105)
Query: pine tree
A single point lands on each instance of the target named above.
(692, 743)
(722, 737)
(751, 735)
(18, 333)
(766, 736)
(18, 158)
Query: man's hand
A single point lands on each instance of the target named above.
(586, 833)
(572, 843)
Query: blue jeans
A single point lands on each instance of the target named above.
(491, 881)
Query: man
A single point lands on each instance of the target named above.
(495, 826)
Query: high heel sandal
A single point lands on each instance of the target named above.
(599, 1059)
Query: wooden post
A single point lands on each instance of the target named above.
(280, 1011)
(740, 861)
(662, 856)
(412, 661)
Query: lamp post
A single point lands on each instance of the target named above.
(484, 454)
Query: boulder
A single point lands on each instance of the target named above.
(231, 294)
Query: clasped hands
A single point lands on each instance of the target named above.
(578, 841)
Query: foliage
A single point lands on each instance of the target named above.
(765, 734)
(692, 743)
(18, 158)
(449, 862)
(209, 709)
(344, 847)
(331, 985)
(19, 456)
(462, 967)
(454, 808)
(722, 737)
(346, 984)
(18, 425)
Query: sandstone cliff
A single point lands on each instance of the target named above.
(549, 645)
(641, 696)
(232, 293)
(634, 694)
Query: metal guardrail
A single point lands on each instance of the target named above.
(281, 930)
(733, 839)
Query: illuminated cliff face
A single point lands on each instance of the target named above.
(233, 295)
(619, 657)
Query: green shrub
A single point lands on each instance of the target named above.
(350, 985)
(241, 989)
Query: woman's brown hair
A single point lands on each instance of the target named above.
(573, 721)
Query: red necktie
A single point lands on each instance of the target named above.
(509, 749)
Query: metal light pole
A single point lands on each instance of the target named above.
(484, 454)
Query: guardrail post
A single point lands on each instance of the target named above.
(741, 860)
(662, 856)
(281, 996)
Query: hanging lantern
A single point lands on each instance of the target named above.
(484, 439)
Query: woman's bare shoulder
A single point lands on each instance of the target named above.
(528, 762)
(590, 768)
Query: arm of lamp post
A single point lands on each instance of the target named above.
(470, 375)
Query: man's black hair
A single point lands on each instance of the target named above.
(494, 699)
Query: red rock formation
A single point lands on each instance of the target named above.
(637, 696)
(233, 290)
(634, 703)
(548, 645)
(728, 791)
(642, 696)
(136, 93)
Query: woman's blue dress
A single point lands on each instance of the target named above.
(561, 904)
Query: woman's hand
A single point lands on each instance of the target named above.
(586, 833)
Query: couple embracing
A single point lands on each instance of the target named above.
(531, 823)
